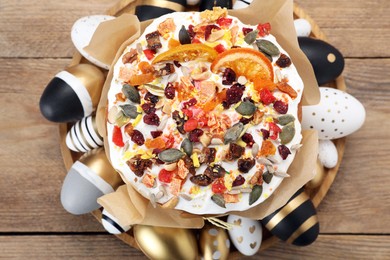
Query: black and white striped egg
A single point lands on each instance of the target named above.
(209, 4)
(240, 4)
(296, 222)
(112, 225)
(89, 178)
(84, 136)
(72, 94)
(155, 9)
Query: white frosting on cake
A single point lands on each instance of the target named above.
(197, 200)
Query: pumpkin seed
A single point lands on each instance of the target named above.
(155, 90)
(251, 37)
(285, 119)
(255, 194)
(121, 119)
(218, 199)
(184, 36)
(246, 108)
(170, 155)
(233, 133)
(264, 161)
(269, 57)
(130, 111)
(267, 177)
(185, 196)
(255, 149)
(267, 47)
(187, 146)
(131, 93)
(112, 114)
(287, 134)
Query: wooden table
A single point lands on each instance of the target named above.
(35, 44)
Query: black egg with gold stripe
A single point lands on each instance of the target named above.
(296, 222)
(150, 9)
(327, 61)
(209, 4)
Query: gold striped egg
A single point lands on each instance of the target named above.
(296, 222)
(214, 243)
(318, 177)
(84, 136)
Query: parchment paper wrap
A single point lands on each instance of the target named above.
(132, 208)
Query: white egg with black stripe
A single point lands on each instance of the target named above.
(112, 225)
(72, 94)
(89, 178)
(240, 4)
(84, 136)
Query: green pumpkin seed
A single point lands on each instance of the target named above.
(269, 57)
(251, 37)
(285, 119)
(184, 36)
(155, 90)
(255, 194)
(218, 199)
(267, 177)
(170, 155)
(246, 108)
(287, 134)
(187, 146)
(233, 133)
(131, 93)
(267, 47)
(130, 110)
(121, 119)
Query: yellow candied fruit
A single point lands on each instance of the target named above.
(269, 119)
(137, 119)
(194, 190)
(195, 160)
(147, 155)
(128, 155)
(241, 143)
(228, 181)
(227, 38)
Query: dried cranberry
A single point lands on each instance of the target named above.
(138, 165)
(179, 121)
(283, 151)
(137, 137)
(151, 119)
(151, 98)
(177, 64)
(234, 94)
(156, 134)
(280, 107)
(246, 30)
(209, 154)
(265, 133)
(169, 91)
(228, 77)
(235, 152)
(245, 120)
(156, 151)
(217, 171)
(283, 61)
(238, 181)
(209, 29)
(195, 134)
(189, 103)
(148, 108)
(248, 139)
(244, 165)
(201, 180)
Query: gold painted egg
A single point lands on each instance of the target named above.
(318, 178)
(166, 243)
(214, 243)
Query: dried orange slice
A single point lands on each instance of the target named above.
(187, 52)
(245, 62)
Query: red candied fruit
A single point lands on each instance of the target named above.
(137, 137)
(165, 176)
(190, 103)
(266, 96)
(283, 151)
(246, 30)
(218, 186)
(280, 107)
(264, 29)
(274, 130)
(190, 125)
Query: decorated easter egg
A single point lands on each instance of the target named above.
(239, 4)
(89, 178)
(82, 32)
(319, 175)
(327, 61)
(193, 2)
(327, 153)
(72, 94)
(214, 243)
(337, 115)
(84, 136)
(154, 9)
(166, 243)
(209, 4)
(112, 225)
(296, 222)
(246, 234)
(302, 27)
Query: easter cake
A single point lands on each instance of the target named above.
(203, 113)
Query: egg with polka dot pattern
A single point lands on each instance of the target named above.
(337, 115)
(214, 243)
(246, 234)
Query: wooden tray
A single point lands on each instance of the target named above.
(316, 195)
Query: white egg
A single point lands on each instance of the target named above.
(327, 153)
(302, 27)
(337, 115)
(110, 223)
(246, 234)
(239, 4)
(82, 32)
(193, 2)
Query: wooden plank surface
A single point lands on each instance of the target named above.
(35, 45)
